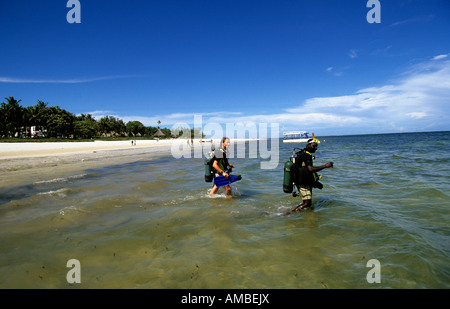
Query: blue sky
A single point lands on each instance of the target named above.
(309, 65)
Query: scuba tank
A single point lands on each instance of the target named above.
(298, 175)
(209, 170)
(288, 177)
(288, 185)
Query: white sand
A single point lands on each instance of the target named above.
(22, 150)
(36, 149)
(27, 157)
(23, 156)
(32, 161)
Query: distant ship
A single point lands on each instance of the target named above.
(296, 137)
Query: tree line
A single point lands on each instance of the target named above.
(42, 120)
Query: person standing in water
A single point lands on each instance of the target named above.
(221, 164)
(305, 174)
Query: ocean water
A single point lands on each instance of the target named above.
(142, 222)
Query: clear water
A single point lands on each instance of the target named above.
(140, 222)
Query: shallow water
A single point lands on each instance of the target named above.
(150, 223)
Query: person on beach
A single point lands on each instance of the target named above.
(305, 159)
(221, 164)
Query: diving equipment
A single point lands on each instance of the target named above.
(221, 181)
(288, 176)
(298, 175)
(209, 170)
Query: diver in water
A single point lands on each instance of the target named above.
(305, 174)
(221, 166)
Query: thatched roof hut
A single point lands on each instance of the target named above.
(158, 133)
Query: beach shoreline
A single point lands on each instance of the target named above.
(26, 156)
(16, 157)
(34, 149)
(31, 149)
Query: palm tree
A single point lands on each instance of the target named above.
(85, 126)
(12, 116)
(36, 115)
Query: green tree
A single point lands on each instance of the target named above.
(59, 122)
(111, 125)
(149, 131)
(85, 126)
(197, 133)
(11, 114)
(167, 132)
(36, 115)
(135, 127)
(180, 131)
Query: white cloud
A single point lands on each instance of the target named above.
(421, 94)
(418, 101)
(169, 120)
(439, 57)
(334, 71)
(417, 115)
(353, 53)
(4, 79)
(413, 20)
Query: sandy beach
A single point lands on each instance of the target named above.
(10, 151)
(21, 150)
(24, 156)
(34, 159)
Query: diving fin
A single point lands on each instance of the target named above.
(221, 181)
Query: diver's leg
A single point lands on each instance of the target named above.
(306, 193)
(228, 191)
(303, 205)
(214, 190)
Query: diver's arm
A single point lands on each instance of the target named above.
(313, 169)
(217, 168)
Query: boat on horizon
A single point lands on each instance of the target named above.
(296, 137)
